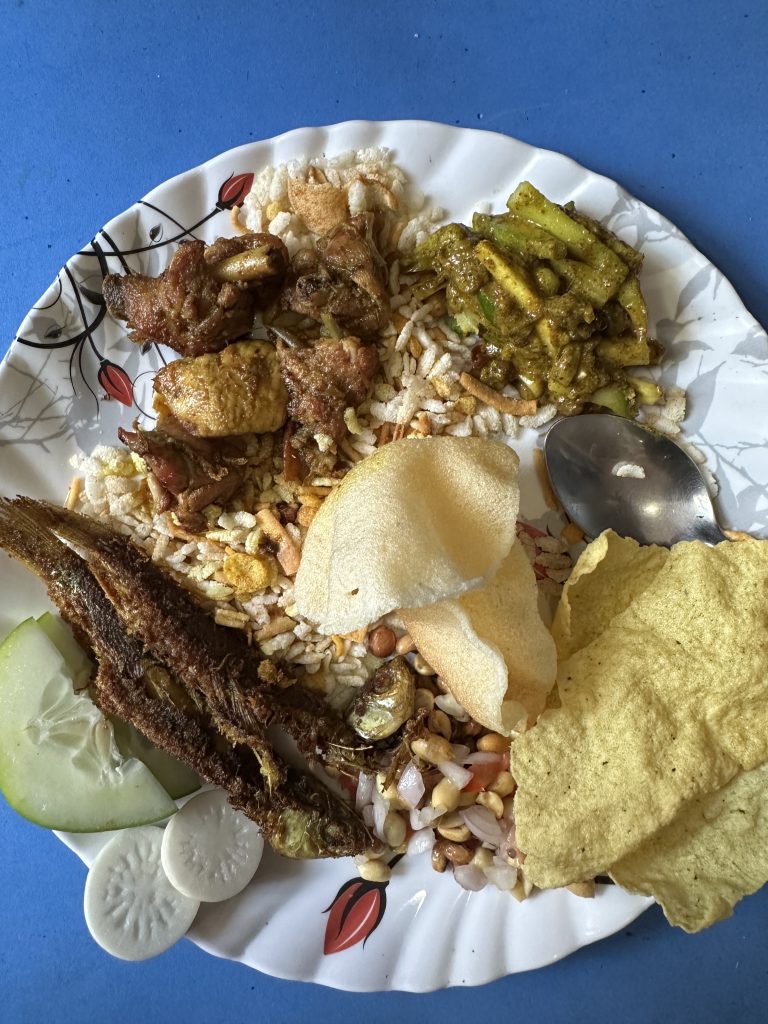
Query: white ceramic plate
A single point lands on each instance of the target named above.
(72, 376)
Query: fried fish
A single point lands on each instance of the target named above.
(191, 702)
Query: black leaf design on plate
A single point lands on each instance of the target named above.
(54, 331)
(56, 295)
(93, 296)
(156, 232)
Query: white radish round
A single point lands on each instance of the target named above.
(131, 908)
(210, 850)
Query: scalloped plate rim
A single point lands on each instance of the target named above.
(370, 982)
(351, 124)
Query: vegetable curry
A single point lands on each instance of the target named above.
(553, 299)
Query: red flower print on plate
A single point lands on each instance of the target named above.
(234, 190)
(116, 382)
(355, 913)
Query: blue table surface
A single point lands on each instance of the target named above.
(102, 100)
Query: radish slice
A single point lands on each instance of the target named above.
(212, 851)
(131, 908)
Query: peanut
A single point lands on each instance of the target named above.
(305, 515)
(454, 852)
(374, 871)
(439, 723)
(493, 743)
(445, 795)
(482, 858)
(381, 642)
(422, 666)
(439, 860)
(424, 699)
(503, 784)
(405, 645)
(432, 748)
(389, 792)
(493, 802)
(455, 833)
(394, 829)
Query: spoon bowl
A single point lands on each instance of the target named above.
(668, 504)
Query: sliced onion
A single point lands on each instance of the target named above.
(380, 811)
(364, 793)
(482, 823)
(469, 877)
(448, 703)
(425, 817)
(459, 776)
(421, 841)
(410, 785)
(368, 815)
(481, 757)
(501, 874)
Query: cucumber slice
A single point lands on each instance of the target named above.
(58, 632)
(59, 764)
(175, 778)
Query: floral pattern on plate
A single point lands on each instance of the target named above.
(72, 377)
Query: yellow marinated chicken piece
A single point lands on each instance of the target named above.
(236, 391)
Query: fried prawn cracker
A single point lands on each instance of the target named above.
(491, 647)
(419, 521)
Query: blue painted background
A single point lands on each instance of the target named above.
(99, 101)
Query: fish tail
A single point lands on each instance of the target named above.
(26, 536)
(109, 556)
(74, 526)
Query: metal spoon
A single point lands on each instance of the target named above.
(670, 504)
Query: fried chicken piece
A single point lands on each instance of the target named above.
(303, 459)
(190, 473)
(344, 277)
(206, 297)
(237, 391)
(326, 379)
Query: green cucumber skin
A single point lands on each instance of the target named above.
(61, 780)
(175, 778)
(61, 636)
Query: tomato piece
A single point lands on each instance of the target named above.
(484, 773)
(348, 783)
